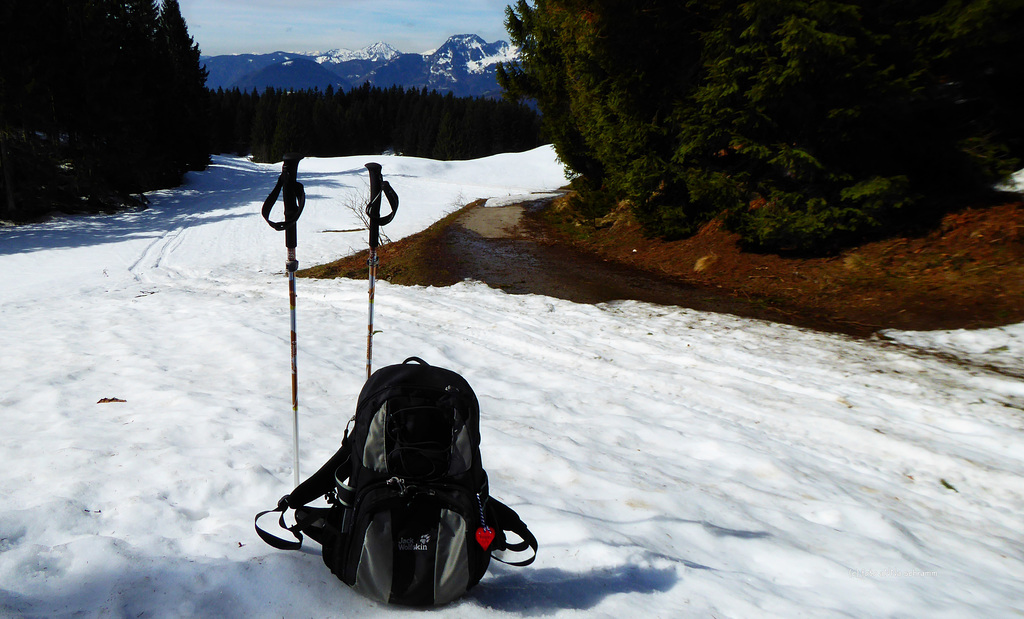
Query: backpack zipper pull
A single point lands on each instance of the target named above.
(484, 534)
(400, 483)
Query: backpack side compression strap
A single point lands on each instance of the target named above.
(307, 519)
(277, 542)
(508, 520)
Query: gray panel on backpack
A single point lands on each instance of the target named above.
(451, 564)
(462, 453)
(374, 451)
(376, 563)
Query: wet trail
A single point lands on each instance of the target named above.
(509, 248)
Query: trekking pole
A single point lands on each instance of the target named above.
(294, 201)
(377, 186)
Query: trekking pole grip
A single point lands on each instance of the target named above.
(373, 208)
(293, 193)
(294, 199)
(379, 186)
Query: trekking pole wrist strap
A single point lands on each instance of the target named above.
(291, 213)
(373, 208)
(392, 202)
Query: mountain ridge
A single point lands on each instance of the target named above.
(464, 65)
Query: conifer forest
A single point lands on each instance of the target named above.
(99, 100)
(368, 119)
(805, 126)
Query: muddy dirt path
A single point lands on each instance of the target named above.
(507, 247)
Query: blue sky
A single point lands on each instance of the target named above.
(259, 26)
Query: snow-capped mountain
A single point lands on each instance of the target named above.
(378, 52)
(464, 65)
(467, 62)
(469, 52)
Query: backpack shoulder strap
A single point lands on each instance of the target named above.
(321, 482)
(506, 519)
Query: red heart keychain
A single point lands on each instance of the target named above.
(484, 537)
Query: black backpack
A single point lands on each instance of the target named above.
(411, 520)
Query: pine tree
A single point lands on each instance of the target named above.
(293, 131)
(542, 36)
(264, 126)
(136, 157)
(186, 101)
(447, 144)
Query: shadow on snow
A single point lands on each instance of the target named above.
(207, 197)
(545, 591)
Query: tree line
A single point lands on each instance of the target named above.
(805, 125)
(99, 99)
(368, 119)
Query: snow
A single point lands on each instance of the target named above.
(509, 200)
(669, 461)
(506, 53)
(1001, 348)
(1014, 183)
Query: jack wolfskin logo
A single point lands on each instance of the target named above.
(409, 543)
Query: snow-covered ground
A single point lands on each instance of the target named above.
(1014, 183)
(672, 463)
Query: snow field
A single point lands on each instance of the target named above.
(669, 461)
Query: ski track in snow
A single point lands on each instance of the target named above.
(671, 461)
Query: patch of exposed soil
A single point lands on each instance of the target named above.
(968, 273)
(514, 249)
